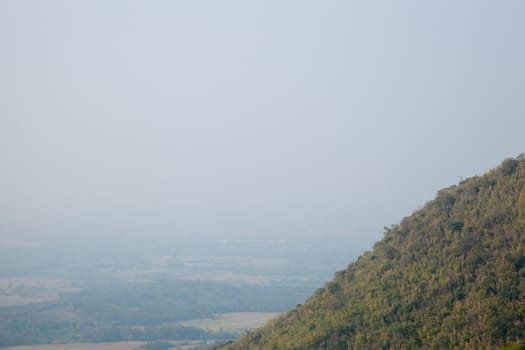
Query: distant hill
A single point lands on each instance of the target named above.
(449, 276)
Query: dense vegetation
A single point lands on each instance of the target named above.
(138, 311)
(450, 276)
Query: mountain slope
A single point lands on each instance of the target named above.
(450, 276)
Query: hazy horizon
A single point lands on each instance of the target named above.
(256, 118)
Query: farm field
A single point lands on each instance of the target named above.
(232, 321)
(128, 345)
(81, 346)
(26, 289)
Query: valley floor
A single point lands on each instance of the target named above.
(180, 345)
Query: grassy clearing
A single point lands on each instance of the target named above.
(232, 322)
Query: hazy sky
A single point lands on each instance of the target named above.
(250, 117)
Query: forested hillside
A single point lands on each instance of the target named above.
(449, 276)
